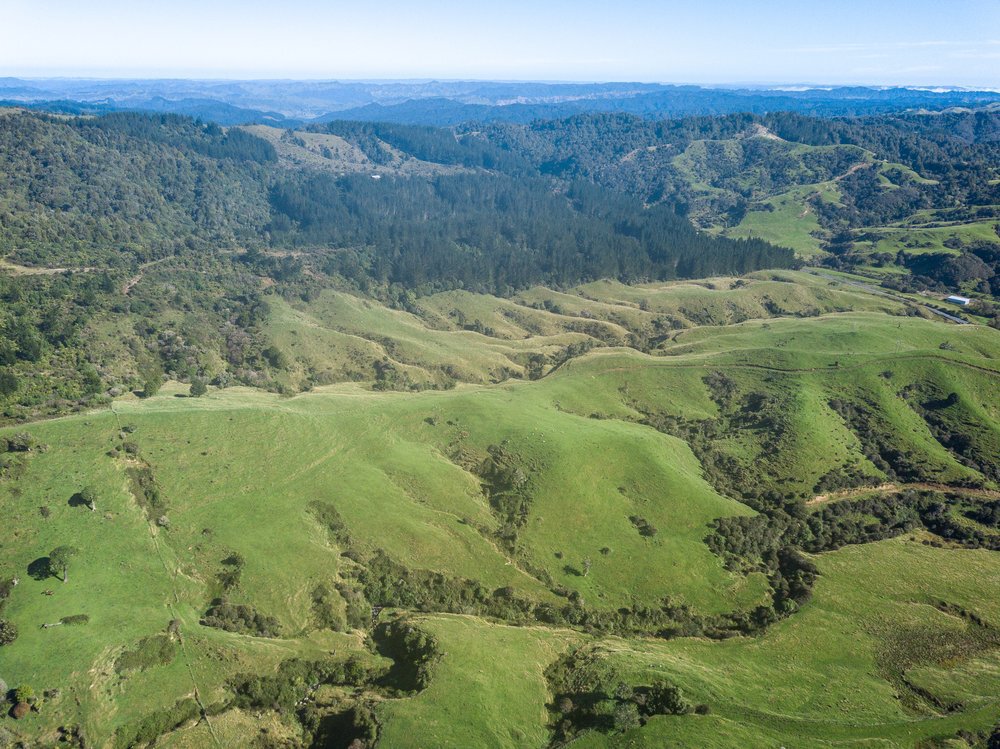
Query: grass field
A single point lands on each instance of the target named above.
(870, 661)
(865, 643)
(735, 193)
(835, 675)
(788, 220)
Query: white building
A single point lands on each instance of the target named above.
(961, 301)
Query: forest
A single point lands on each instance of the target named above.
(115, 196)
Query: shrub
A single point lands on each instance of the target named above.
(198, 387)
(8, 632)
(150, 728)
(148, 652)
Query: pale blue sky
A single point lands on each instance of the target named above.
(915, 42)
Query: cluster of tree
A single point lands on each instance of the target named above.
(987, 513)
(240, 618)
(592, 693)
(664, 102)
(762, 415)
(555, 202)
(295, 678)
(588, 145)
(107, 190)
(48, 324)
(772, 541)
(413, 652)
(978, 266)
(672, 161)
(347, 724)
(388, 583)
(433, 144)
(350, 721)
(957, 429)
(939, 517)
(879, 444)
(163, 214)
(179, 132)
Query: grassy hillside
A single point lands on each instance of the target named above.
(571, 494)
(863, 665)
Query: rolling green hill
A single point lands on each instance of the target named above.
(538, 530)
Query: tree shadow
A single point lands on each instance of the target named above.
(40, 569)
(569, 569)
(77, 500)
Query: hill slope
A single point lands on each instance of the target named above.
(581, 506)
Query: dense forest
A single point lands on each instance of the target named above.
(122, 196)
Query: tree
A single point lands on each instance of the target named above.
(587, 564)
(626, 716)
(8, 632)
(8, 383)
(151, 373)
(666, 699)
(90, 380)
(198, 387)
(59, 559)
(89, 497)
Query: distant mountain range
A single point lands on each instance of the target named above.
(290, 103)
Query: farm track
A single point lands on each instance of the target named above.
(879, 292)
(172, 574)
(791, 370)
(131, 283)
(892, 488)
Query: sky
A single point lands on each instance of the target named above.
(890, 42)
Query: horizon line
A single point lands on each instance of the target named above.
(731, 84)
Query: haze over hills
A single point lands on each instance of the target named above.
(452, 102)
